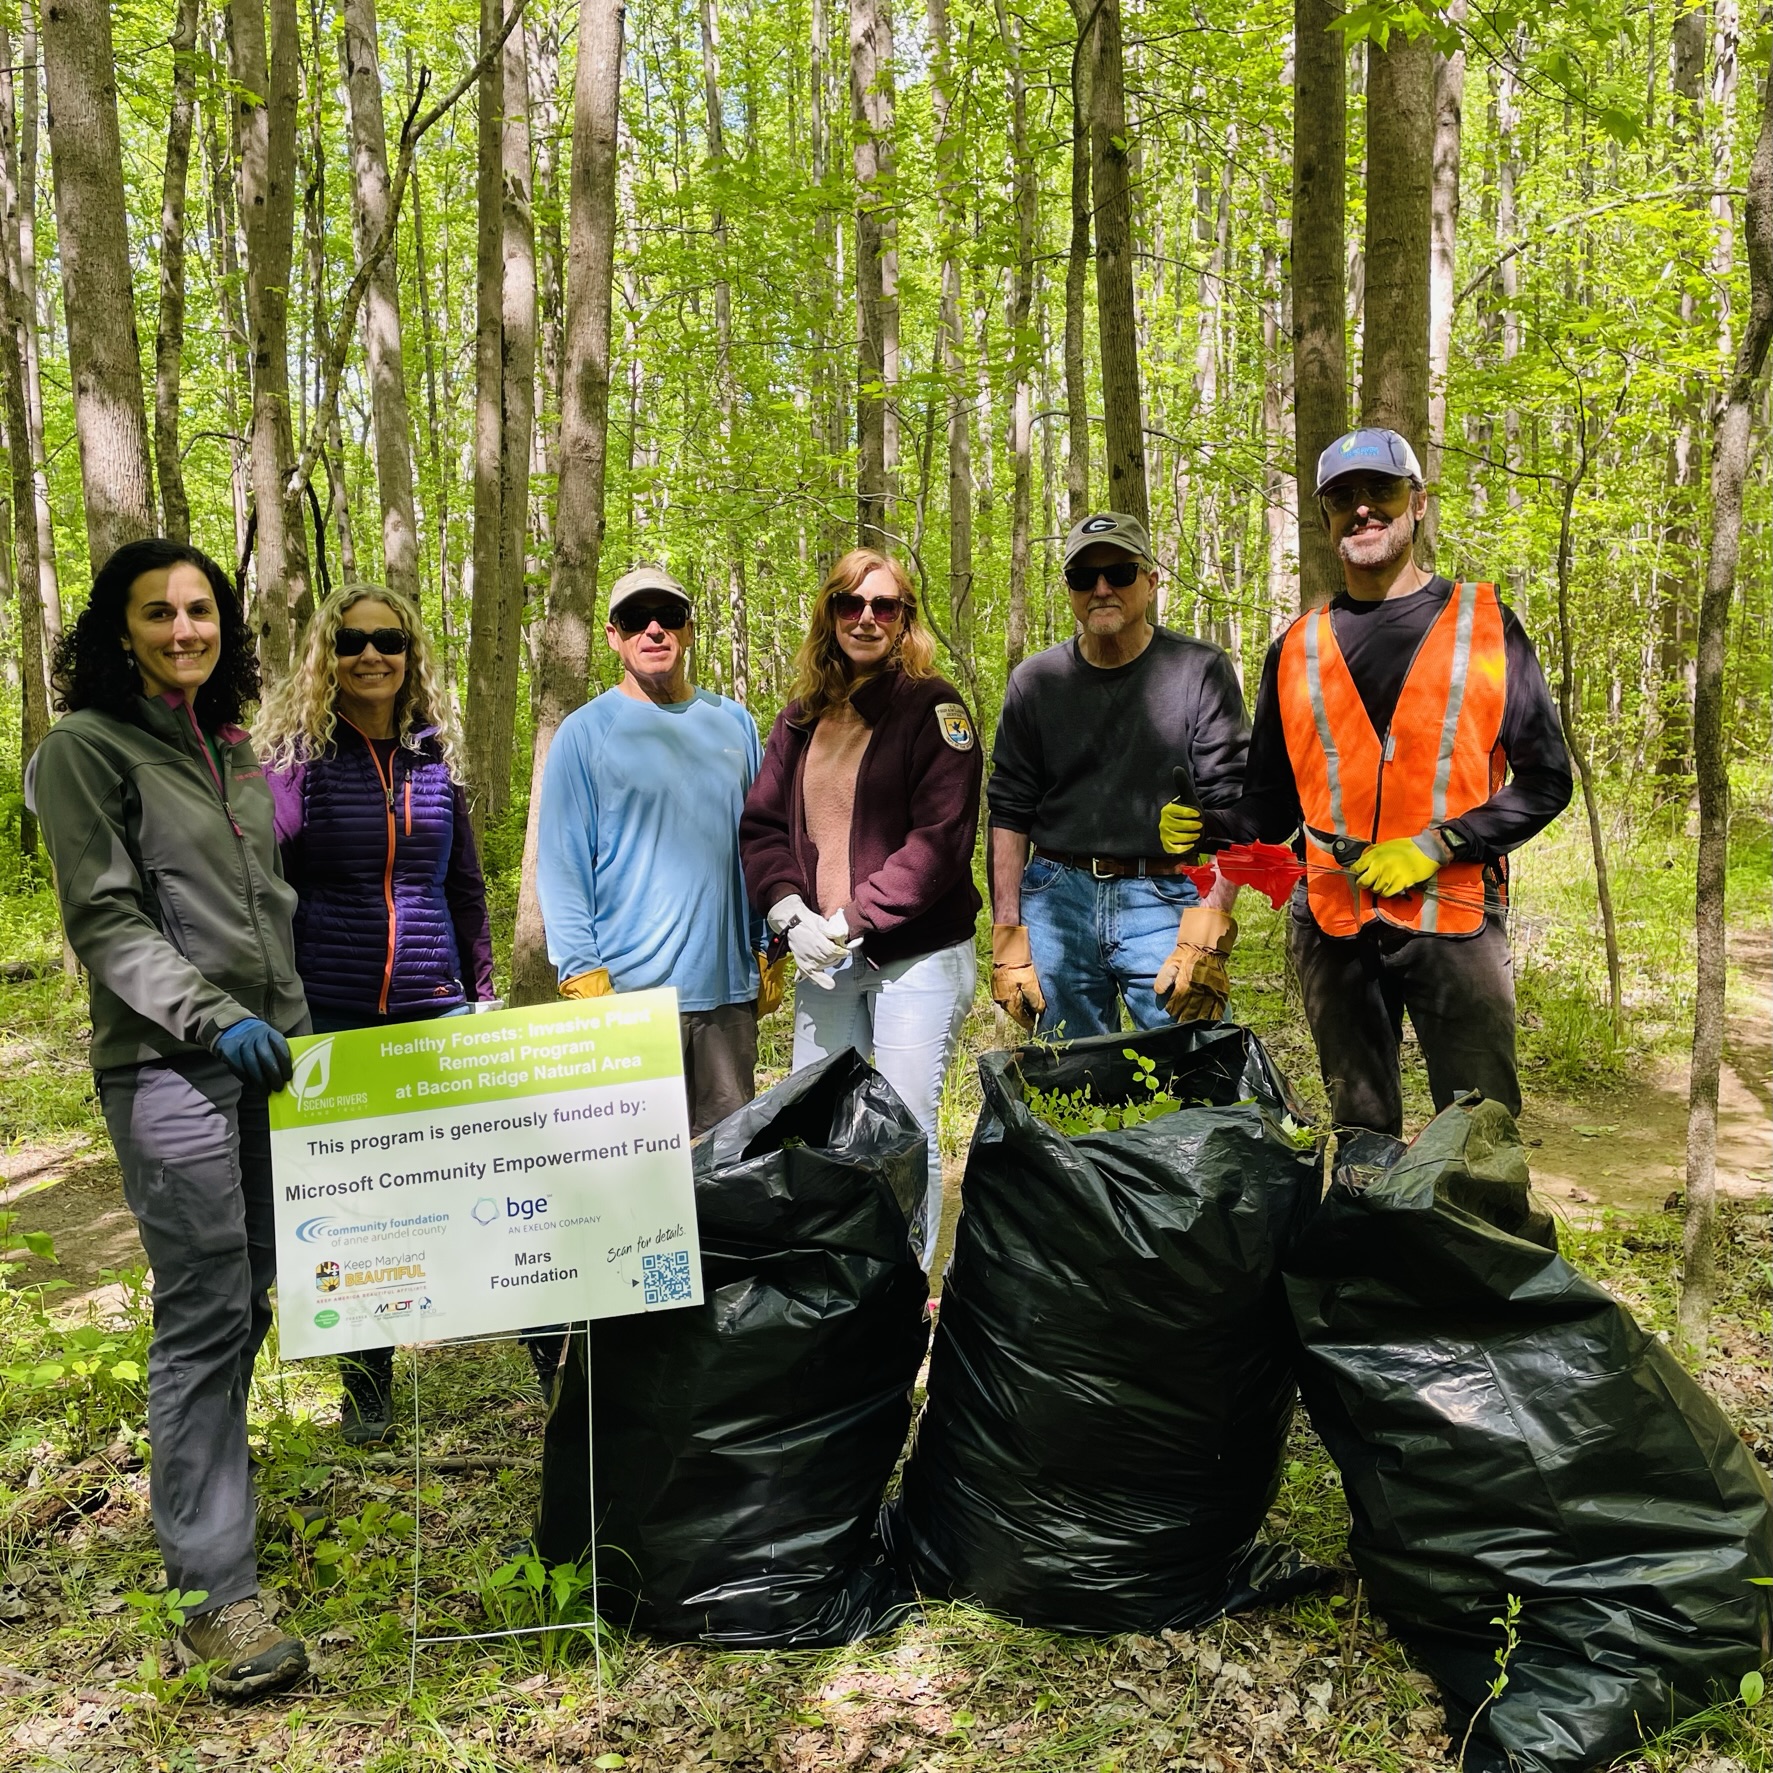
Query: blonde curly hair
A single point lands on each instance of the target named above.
(299, 718)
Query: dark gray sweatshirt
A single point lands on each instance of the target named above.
(1083, 758)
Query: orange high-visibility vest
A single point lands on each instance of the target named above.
(1440, 757)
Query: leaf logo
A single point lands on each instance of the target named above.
(313, 1072)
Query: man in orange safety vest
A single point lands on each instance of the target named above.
(1405, 736)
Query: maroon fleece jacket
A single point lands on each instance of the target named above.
(915, 822)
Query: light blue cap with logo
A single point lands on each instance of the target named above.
(1371, 450)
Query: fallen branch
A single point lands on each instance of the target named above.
(485, 1462)
(73, 1493)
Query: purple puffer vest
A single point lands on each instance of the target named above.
(390, 894)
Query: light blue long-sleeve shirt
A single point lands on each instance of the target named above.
(637, 863)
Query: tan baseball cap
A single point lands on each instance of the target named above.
(645, 578)
(1114, 527)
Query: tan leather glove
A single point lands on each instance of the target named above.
(1193, 984)
(595, 984)
(772, 982)
(1015, 986)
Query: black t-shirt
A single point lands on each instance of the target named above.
(1083, 757)
(1379, 642)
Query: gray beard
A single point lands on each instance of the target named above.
(1397, 539)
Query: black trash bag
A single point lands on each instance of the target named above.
(742, 1446)
(1503, 1427)
(1111, 1388)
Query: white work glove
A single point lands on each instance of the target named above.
(816, 943)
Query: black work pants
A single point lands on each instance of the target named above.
(1458, 990)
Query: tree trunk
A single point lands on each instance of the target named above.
(32, 640)
(951, 207)
(169, 333)
(1077, 383)
(565, 652)
(1676, 652)
(1320, 356)
(723, 352)
(1117, 321)
(267, 204)
(489, 788)
(48, 578)
(389, 417)
(104, 354)
(219, 134)
(827, 276)
(1400, 167)
(518, 229)
(1025, 185)
(1449, 99)
(1279, 503)
(1729, 470)
(877, 272)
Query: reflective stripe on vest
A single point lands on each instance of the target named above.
(1439, 758)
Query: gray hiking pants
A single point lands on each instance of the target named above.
(194, 1143)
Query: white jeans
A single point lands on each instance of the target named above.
(904, 1019)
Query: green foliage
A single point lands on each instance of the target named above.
(93, 1374)
(524, 1592)
(1076, 1112)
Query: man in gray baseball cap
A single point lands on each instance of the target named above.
(1405, 735)
(1090, 729)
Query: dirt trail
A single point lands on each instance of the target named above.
(1629, 1149)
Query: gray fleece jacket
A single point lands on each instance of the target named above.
(167, 870)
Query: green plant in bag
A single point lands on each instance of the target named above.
(1074, 1112)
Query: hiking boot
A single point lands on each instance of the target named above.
(366, 1411)
(247, 1653)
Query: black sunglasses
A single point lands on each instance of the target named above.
(1119, 573)
(636, 618)
(389, 642)
(1382, 490)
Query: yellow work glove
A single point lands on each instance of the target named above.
(594, 984)
(1015, 986)
(772, 982)
(1394, 867)
(1193, 984)
(1178, 828)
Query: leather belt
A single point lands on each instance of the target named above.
(1115, 867)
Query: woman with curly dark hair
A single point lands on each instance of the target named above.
(160, 827)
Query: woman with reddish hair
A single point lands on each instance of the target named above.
(857, 842)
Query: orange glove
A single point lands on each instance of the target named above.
(1015, 986)
(1193, 984)
(594, 984)
(772, 983)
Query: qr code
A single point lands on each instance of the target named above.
(666, 1277)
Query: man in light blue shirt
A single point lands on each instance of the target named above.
(637, 864)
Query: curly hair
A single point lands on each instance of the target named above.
(300, 716)
(92, 667)
(822, 670)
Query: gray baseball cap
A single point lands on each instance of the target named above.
(645, 578)
(1371, 450)
(1114, 527)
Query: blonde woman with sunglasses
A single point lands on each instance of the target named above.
(391, 922)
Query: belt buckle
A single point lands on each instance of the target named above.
(1096, 868)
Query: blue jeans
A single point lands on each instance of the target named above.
(904, 1019)
(1095, 941)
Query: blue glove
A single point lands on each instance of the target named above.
(256, 1053)
(461, 1009)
